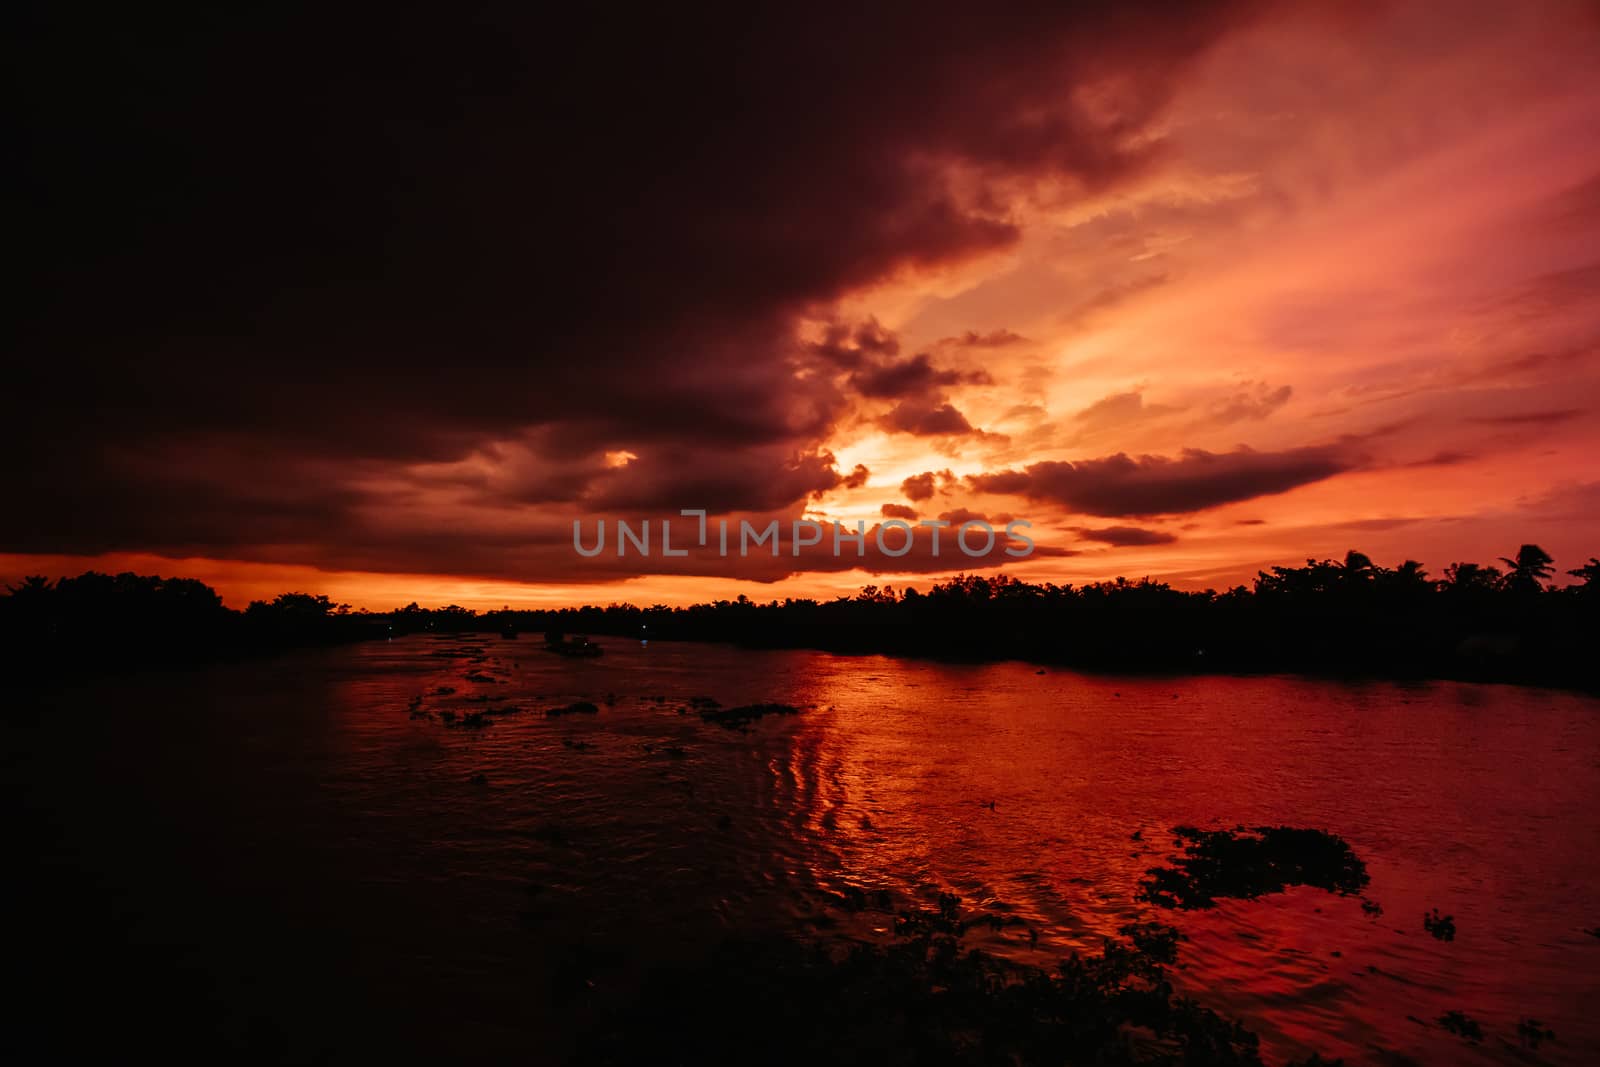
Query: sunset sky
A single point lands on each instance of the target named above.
(378, 307)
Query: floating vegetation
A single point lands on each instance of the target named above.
(704, 703)
(1532, 1033)
(473, 720)
(1442, 927)
(1462, 1025)
(582, 707)
(445, 691)
(1245, 864)
(479, 676)
(997, 922)
(922, 998)
(854, 898)
(1371, 907)
(1156, 940)
(479, 779)
(577, 746)
(459, 652)
(741, 717)
(942, 919)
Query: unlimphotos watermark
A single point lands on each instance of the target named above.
(894, 537)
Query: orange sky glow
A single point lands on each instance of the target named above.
(1360, 249)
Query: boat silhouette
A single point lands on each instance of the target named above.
(577, 646)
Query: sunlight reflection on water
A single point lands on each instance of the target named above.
(309, 786)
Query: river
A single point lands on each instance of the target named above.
(301, 856)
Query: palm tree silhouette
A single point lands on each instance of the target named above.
(1590, 574)
(1411, 573)
(1529, 570)
(1358, 565)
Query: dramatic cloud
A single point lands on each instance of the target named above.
(750, 480)
(355, 243)
(998, 338)
(922, 486)
(1121, 485)
(1123, 536)
(927, 419)
(411, 294)
(849, 348)
(912, 377)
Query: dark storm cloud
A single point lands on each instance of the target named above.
(1446, 458)
(927, 419)
(870, 354)
(898, 511)
(310, 240)
(1124, 536)
(911, 377)
(921, 486)
(1122, 485)
(850, 347)
(751, 480)
(993, 339)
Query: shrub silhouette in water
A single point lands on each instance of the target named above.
(1442, 927)
(1532, 1033)
(741, 717)
(1245, 864)
(1462, 1025)
(582, 707)
(922, 998)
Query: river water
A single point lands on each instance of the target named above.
(301, 858)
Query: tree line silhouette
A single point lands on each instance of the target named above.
(1502, 622)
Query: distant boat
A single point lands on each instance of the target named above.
(575, 647)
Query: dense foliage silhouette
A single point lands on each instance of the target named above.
(97, 622)
(1349, 616)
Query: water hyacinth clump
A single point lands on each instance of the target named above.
(1246, 864)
